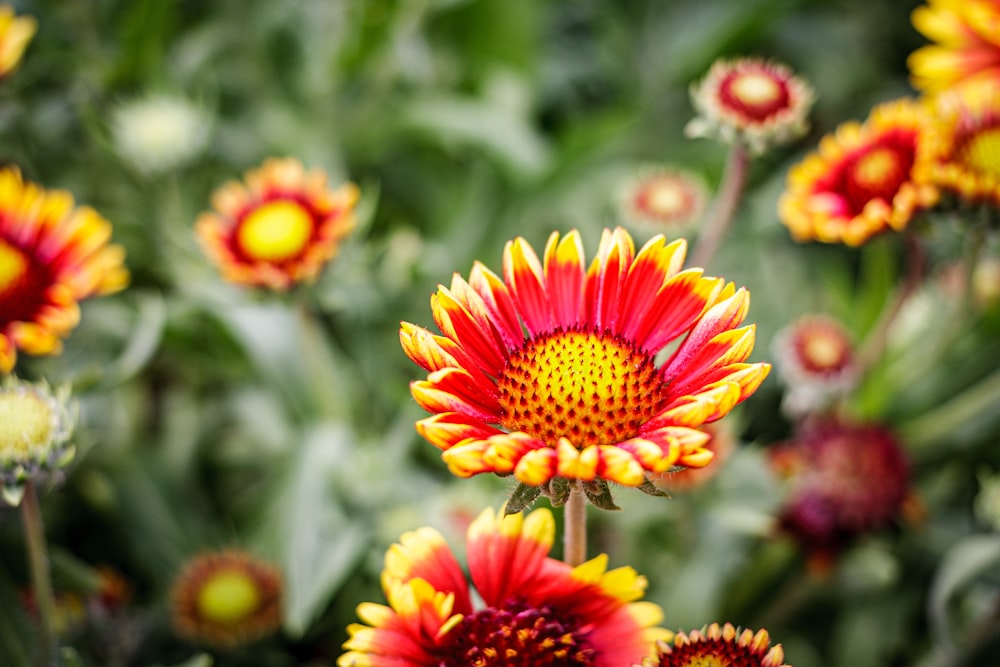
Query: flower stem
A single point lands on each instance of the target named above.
(575, 529)
(734, 178)
(38, 562)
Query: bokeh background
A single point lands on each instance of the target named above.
(213, 416)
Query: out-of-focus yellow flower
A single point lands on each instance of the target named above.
(279, 227)
(719, 645)
(15, 34)
(52, 255)
(664, 199)
(751, 100)
(862, 180)
(966, 36)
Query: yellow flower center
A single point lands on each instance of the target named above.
(590, 387)
(228, 597)
(275, 231)
(25, 425)
(667, 198)
(12, 266)
(755, 89)
(823, 351)
(982, 152)
(876, 167)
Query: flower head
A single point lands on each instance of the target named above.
(861, 181)
(751, 100)
(663, 198)
(35, 427)
(161, 132)
(552, 371)
(279, 227)
(961, 148)
(52, 255)
(226, 599)
(715, 645)
(967, 43)
(846, 480)
(534, 610)
(815, 358)
(15, 34)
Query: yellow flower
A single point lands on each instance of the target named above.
(862, 181)
(15, 34)
(967, 43)
(52, 256)
(226, 599)
(278, 228)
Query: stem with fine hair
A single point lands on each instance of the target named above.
(575, 527)
(723, 209)
(38, 563)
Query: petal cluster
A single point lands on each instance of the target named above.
(279, 227)
(431, 619)
(52, 255)
(862, 181)
(966, 36)
(15, 35)
(584, 344)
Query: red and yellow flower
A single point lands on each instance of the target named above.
(719, 645)
(553, 370)
(967, 43)
(861, 181)
(15, 35)
(748, 99)
(815, 357)
(278, 228)
(961, 148)
(531, 609)
(52, 256)
(226, 599)
(663, 198)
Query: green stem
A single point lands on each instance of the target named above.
(575, 528)
(38, 562)
(734, 179)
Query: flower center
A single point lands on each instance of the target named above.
(228, 596)
(757, 95)
(666, 199)
(12, 267)
(592, 388)
(877, 173)
(823, 351)
(516, 634)
(710, 653)
(275, 231)
(756, 89)
(982, 151)
(26, 423)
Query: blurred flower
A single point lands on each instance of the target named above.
(987, 503)
(961, 148)
(663, 198)
(751, 100)
(815, 359)
(860, 182)
(967, 43)
(160, 132)
(846, 480)
(35, 427)
(534, 610)
(722, 443)
(15, 34)
(279, 227)
(226, 599)
(51, 256)
(714, 645)
(580, 395)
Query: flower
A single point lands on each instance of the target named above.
(552, 371)
(226, 599)
(534, 610)
(722, 444)
(160, 132)
(846, 480)
(52, 256)
(967, 43)
(815, 358)
(15, 34)
(748, 99)
(35, 427)
(279, 227)
(860, 182)
(714, 645)
(961, 148)
(663, 197)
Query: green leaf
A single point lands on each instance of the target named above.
(521, 498)
(558, 491)
(968, 559)
(651, 489)
(600, 495)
